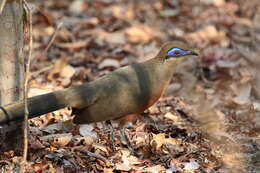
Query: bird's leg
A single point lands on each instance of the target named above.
(104, 126)
(125, 139)
(112, 133)
(123, 135)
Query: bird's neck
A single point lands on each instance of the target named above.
(164, 69)
(160, 71)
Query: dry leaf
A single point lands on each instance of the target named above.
(128, 161)
(123, 12)
(65, 82)
(109, 63)
(60, 126)
(101, 148)
(159, 140)
(125, 166)
(140, 138)
(112, 38)
(108, 170)
(67, 71)
(88, 140)
(219, 3)
(58, 139)
(102, 35)
(77, 6)
(115, 38)
(39, 91)
(170, 116)
(226, 64)
(87, 130)
(140, 33)
(243, 94)
(64, 35)
(169, 13)
(256, 106)
(43, 31)
(63, 140)
(192, 165)
(73, 45)
(155, 169)
(36, 144)
(58, 66)
(52, 128)
(210, 34)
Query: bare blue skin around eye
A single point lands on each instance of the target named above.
(177, 52)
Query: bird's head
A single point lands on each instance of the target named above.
(175, 52)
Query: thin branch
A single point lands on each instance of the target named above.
(44, 69)
(2, 5)
(27, 71)
(95, 155)
(53, 37)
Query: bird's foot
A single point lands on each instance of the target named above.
(125, 139)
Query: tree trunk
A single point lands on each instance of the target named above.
(11, 68)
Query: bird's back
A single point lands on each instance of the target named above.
(128, 90)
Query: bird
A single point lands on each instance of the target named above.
(121, 94)
(130, 90)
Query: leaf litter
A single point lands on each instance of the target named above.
(208, 120)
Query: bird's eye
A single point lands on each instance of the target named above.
(175, 52)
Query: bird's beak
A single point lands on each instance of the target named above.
(191, 52)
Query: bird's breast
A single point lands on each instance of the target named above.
(155, 96)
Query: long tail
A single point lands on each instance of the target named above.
(37, 106)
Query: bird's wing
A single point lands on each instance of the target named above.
(82, 96)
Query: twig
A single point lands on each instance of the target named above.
(36, 73)
(53, 37)
(27, 71)
(2, 5)
(88, 153)
(51, 40)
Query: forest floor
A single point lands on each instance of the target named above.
(207, 121)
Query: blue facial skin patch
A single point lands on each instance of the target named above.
(175, 52)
